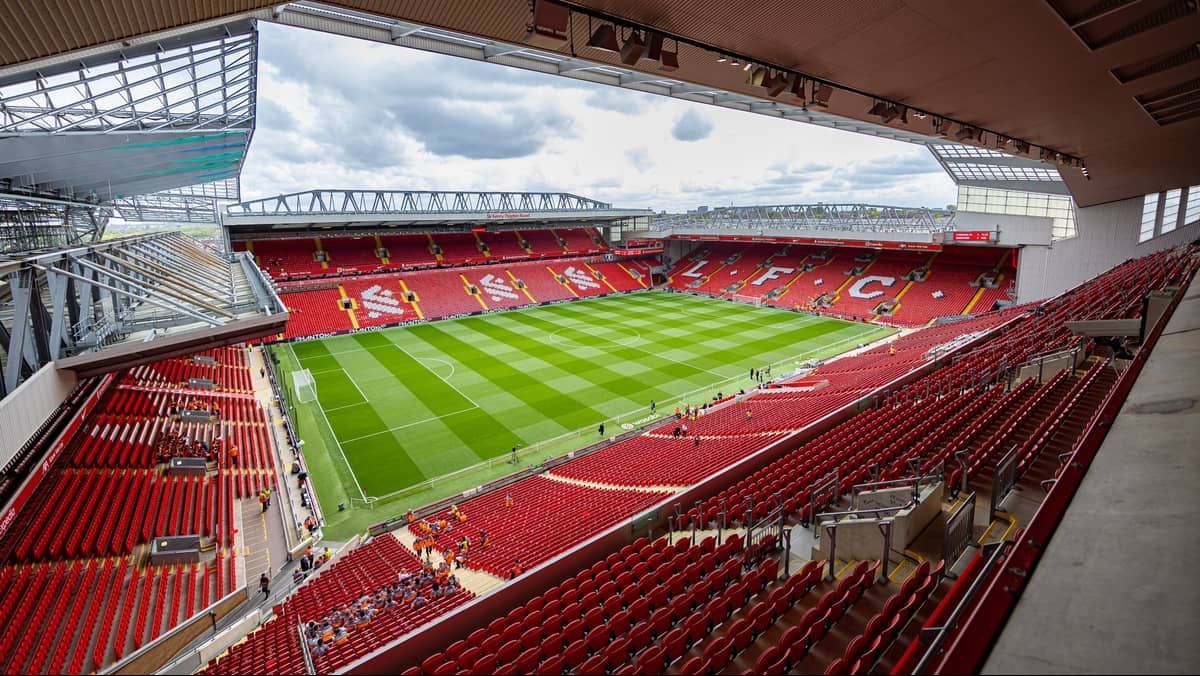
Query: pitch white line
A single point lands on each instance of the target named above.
(445, 380)
(333, 435)
(443, 361)
(419, 422)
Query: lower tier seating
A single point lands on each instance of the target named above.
(546, 517)
(275, 647)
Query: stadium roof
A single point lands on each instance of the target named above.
(1115, 84)
(131, 120)
(115, 304)
(365, 208)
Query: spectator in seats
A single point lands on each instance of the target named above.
(233, 456)
(675, 432)
(306, 562)
(515, 570)
(508, 500)
(483, 539)
(410, 517)
(697, 441)
(264, 583)
(328, 553)
(678, 413)
(262, 500)
(683, 430)
(419, 601)
(749, 413)
(295, 467)
(297, 576)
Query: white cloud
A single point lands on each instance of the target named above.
(338, 112)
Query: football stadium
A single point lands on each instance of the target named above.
(540, 429)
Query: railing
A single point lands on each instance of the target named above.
(980, 628)
(935, 637)
(960, 530)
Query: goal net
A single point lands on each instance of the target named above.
(749, 299)
(305, 385)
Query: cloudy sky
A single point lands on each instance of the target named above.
(336, 112)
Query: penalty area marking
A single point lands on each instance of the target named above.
(333, 435)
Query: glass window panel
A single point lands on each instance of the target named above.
(1170, 210)
(1192, 214)
(1149, 214)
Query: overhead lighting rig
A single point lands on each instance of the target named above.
(550, 28)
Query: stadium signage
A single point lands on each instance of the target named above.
(501, 217)
(816, 241)
(973, 235)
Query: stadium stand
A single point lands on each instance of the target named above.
(294, 259)
(87, 523)
(772, 626)
(352, 253)
(380, 299)
(859, 284)
(546, 517)
(355, 581)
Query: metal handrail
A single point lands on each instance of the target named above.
(967, 600)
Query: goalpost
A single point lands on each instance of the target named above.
(756, 301)
(305, 386)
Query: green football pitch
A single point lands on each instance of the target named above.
(411, 414)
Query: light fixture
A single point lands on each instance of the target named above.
(721, 58)
(757, 76)
(778, 83)
(551, 25)
(748, 66)
(733, 61)
(669, 60)
(966, 132)
(821, 93)
(633, 49)
(604, 37)
(654, 43)
(797, 88)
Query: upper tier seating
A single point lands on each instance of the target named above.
(581, 240)
(459, 247)
(504, 245)
(407, 250)
(293, 259)
(285, 258)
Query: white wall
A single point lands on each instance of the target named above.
(1014, 230)
(1108, 235)
(22, 411)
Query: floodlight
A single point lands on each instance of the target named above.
(605, 38)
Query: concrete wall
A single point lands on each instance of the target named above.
(1108, 235)
(29, 405)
